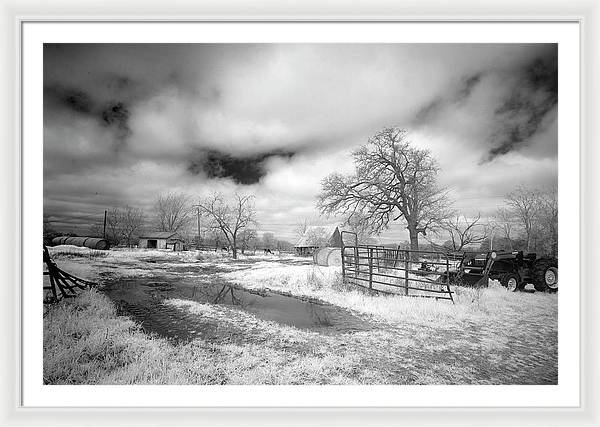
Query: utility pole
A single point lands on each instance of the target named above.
(104, 228)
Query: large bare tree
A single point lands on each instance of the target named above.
(173, 211)
(464, 231)
(231, 217)
(359, 223)
(393, 180)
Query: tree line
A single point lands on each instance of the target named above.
(392, 181)
(213, 221)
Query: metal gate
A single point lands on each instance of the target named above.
(396, 271)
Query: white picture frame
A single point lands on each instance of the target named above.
(16, 14)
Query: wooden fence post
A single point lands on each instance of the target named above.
(406, 268)
(397, 256)
(370, 268)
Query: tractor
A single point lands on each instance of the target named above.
(512, 269)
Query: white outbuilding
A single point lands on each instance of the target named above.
(162, 240)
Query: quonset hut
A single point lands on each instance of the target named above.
(87, 242)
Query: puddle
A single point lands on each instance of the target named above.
(142, 299)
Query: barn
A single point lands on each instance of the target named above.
(318, 236)
(162, 240)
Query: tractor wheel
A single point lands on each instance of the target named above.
(545, 275)
(511, 281)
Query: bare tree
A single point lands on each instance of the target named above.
(284, 246)
(230, 217)
(301, 227)
(393, 180)
(215, 236)
(113, 226)
(202, 235)
(247, 236)
(173, 211)
(464, 232)
(317, 237)
(524, 204)
(268, 240)
(132, 222)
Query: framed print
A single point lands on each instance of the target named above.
(237, 217)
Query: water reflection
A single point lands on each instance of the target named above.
(143, 300)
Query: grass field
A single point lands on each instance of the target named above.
(489, 336)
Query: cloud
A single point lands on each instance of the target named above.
(124, 123)
(244, 170)
(116, 116)
(534, 94)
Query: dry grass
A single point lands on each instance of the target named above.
(211, 256)
(490, 336)
(325, 283)
(70, 251)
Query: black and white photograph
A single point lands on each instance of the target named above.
(300, 214)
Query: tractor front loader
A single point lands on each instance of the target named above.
(513, 270)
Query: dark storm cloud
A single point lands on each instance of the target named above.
(522, 113)
(116, 116)
(244, 170)
(68, 97)
(73, 115)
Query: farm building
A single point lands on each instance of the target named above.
(162, 240)
(318, 236)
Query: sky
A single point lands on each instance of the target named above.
(125, 123)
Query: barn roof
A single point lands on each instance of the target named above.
(161, 235)
(312, 231)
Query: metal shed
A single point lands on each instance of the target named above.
(88, 242)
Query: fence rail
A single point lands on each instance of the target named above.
(385, 270)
